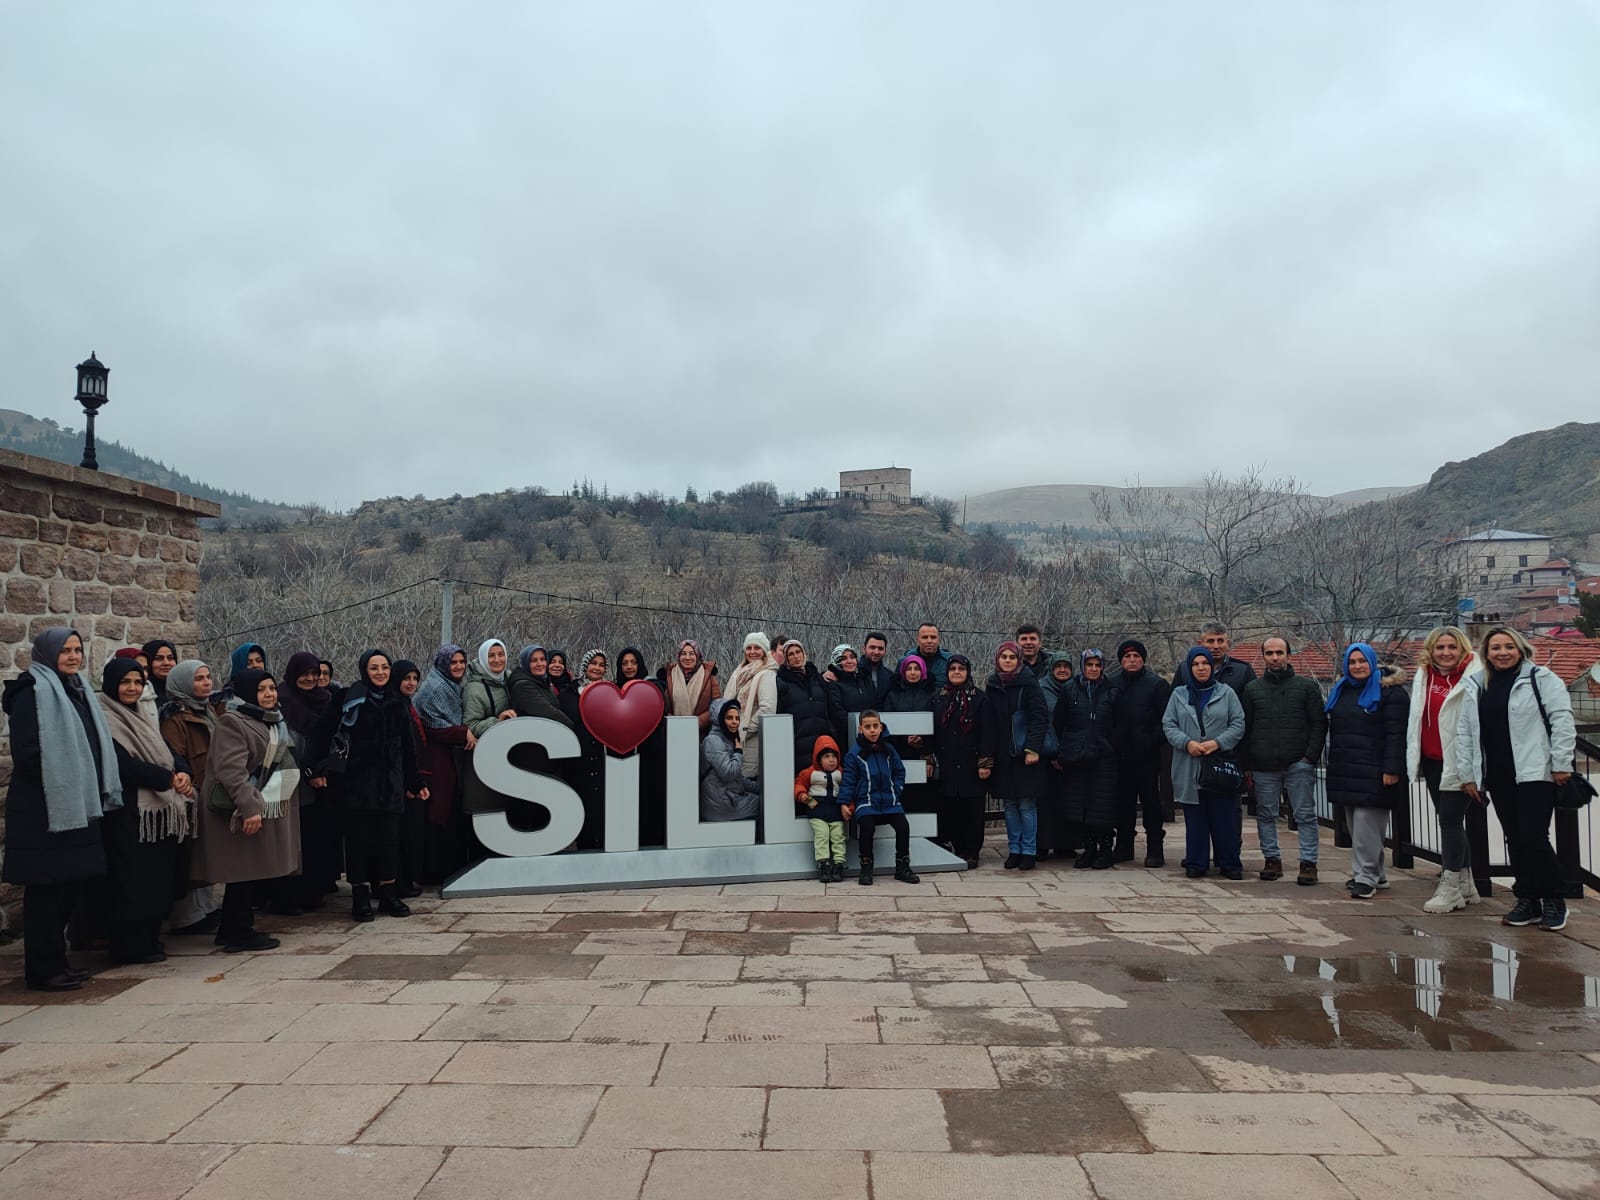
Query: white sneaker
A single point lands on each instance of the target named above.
(1469, 887)
(1447, 896)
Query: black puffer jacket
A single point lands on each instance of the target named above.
(803, 696)
(852, 693)
(32, 853)
(383, 752)
(1363, 747)
(1012, 778)
(963, 745)
(1283, 721)
(1140, 704)
(1084, 719)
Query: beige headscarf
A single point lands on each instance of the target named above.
(162, 814)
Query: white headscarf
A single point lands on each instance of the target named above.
(483, 659)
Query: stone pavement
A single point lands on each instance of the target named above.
(1063, 1033)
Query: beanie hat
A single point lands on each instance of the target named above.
(1131, 644)
(758, 639)
(839, 651)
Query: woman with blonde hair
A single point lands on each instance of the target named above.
(754, 683)
(1437, 692)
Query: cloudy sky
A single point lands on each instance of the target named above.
(340, 251)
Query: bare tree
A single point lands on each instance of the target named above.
(944, 509)
(603, 534)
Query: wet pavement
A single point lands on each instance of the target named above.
(1062, 1032)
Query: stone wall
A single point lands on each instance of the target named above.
(116, 559)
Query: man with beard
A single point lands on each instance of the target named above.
(1284, 728)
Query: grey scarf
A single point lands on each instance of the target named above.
(73, 796)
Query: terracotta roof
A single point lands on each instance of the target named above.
(1555, 564)
(1541, 594)
(1568, 656)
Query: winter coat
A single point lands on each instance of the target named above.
(910, 698)
(1365, 746)
(725, 793)
(384, 759)
(962, 751)
(1084, 720)
(710, 691)
(532, 697)
(586, 774)
(144, 875)
(483, 700)
(877, 680)
(32, 853)
(1229, 671)
(801, 695)
(813, 783)
(1449, 716)
(755, 686)
(1136, 717)
(1536, 755)
(852, 693)
(874, 779)
(189, 738)
(1224, 721)
(1284, 721)
(1013, 779)
(226, 856)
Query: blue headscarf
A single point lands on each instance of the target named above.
(243, 652)
(1372, 691)
(1200, 697)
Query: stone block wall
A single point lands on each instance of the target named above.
(116, 559)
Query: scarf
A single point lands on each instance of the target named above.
(744, 683)
(589, 656)
(684, 691)
(273, 779)
(302, 710)
(438, 700)
(237, 662)
(180, 689)
(162, 814)
(527, 653)
(158, 683)
(73, 796)
(1371, 689)
(1199, 697)
(483, 660)
(958, 712)
(1006, 677)
(1439, 684)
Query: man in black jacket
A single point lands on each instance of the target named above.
(1136, 732)
(1214, 637)
(1284, 728)
(876, 677)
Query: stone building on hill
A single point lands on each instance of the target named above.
(892, 484)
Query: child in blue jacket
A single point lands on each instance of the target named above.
(874, 781)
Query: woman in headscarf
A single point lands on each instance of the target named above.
(148, 704)
(447, 740)
(380, 769)
(187, 723)
(304, 703)
(1083, 725)
(725, 793)
(690, 683)
(1367, 712)
(754, 683)
(325, 674)
(1018, 722)
(652, 754)
(160, 657)
(531, 695)
(912, 691)
(143, 836)
(804, 696)
(1057, 835)
(250, 656)
(63, 781)
(586, 774)
(1204, 717)
(961, 725)
(413, 823)
(558, 672)
(486, 695)
(250, 811)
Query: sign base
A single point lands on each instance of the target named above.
(589, 871)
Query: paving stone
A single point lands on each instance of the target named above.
(483, 1114)
(901, 922)
(505, 923)
(481, 1174)
(391, 1172)
(597, 902)
(878, 1066)
(984, 944)
(675, 1118)
(793, 922)
(521, 943)
(1383, 1178)
(1167, 922)
(1067, 994)
(507, 1023)
(376, 1062)
(736, 1064)
(1511, 1073)
(736, 943)
(586, 923)
(232, 1062)
(718, 992)
(775, 1175)
(632, 941)
(971, 1026)
(10, 1152)
(398, 966)
(497, 904)
(1430, 1125)
(832, 1118)
(363, 1023)
(898, 1176)
(284, 966)
(824, 1025)
(881, 900)
(446, 991)
(15, 1095)
(950, 904)
(1568, 1178)
(1019, 1121)
(807, 967)
(573, 991)
(178, 989)
(1234, 1075)
(852, 943)
(80, 1062)
(637, 1025)
(1550, 1126)
(719, 922)
(1237, 1122)
(1095, 1068)
(670, 903)
(858, 993)
(99, 1171)
(971, 995)
(668, 966)
(940, 968)
(403, 943)
(1210, 1176)
(80, 1023)
(552, 1063)
(327, 991)
(219, 1022)
(300, 1114)
(112, 1112)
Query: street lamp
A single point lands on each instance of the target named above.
(91, 394)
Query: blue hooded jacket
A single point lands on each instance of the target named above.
(874, 778)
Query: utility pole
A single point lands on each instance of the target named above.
(447, 611)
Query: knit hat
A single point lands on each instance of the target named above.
(129, 652)
(1131, 644)
(588, 657)
(758, 639)
(836, 658)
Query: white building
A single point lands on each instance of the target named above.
(882, 483)
(1495, 564)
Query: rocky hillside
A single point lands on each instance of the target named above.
(1072, 504)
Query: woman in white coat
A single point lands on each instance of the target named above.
(1445, 665)
(754, 683)
(1515, 740)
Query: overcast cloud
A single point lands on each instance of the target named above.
(336, 251)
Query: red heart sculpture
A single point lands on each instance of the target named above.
(622, 717)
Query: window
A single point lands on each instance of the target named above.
(1483, 579)
(1516, 577)
(1489, 562)
(1522, 560)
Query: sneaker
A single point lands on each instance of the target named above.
(838, 871)
(1308, 874)
(824, 870)
(1013, 861)
(1271, 869)
(249, 943)
(1447, 896)
(1156, 859)
(1025, 862)
(1234, 874)
(1362, 891)
(1523, 912)
(1555, 915)
(1194, 872)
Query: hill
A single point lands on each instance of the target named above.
(46, 439)
(1072, 504)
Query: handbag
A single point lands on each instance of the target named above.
(1577, 791)
(262, 778)
(1019, 737)
(1217, 773)
(338, 759)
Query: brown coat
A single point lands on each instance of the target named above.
(189, 737)
(223, 855)
(711, 691)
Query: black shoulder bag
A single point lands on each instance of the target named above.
(1577, 791)
(1218, 773)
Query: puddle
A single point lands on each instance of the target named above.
(1497, 973)
(1362, 1019)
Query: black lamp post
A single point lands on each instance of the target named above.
(91, 394)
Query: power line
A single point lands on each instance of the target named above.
(327, 612)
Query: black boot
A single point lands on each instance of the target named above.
(865, 878)
(824, 871)
(1085, 858)
(838, 871)
(903, 871)
(390, 904)
(1153, 856)
(361, 903)
(1104, 856)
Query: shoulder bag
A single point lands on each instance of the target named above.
(1217, 772)
(1577, 791)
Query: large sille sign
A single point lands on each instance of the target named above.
(697, 852)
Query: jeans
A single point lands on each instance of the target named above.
(1212, 824)
(1367, 827)
(1300, 780)
(1452, 807)
(827, 839)
(1524, 810)
(1022, 826)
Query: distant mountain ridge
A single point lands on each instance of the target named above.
(1072, 504)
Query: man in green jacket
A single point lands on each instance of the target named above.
(1284, 728)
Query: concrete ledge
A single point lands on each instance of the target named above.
(149, 493)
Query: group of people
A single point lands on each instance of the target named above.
(127, 808)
